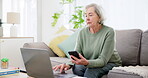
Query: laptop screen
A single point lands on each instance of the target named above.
(37, 62)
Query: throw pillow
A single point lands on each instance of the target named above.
(60, 32)
(68, 44)
(53, 45)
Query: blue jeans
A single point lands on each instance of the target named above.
(83, 71)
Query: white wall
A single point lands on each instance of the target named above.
(120, 14)
(127, 14)
(0, 9)
(123, 14)
(48, 8)
(39, 20)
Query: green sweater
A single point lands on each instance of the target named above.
(98, 48)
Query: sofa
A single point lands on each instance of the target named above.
(131, 44)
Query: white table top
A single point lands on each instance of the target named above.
(20, 75)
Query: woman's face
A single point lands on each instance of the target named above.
(92, 18)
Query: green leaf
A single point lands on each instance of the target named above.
(66, 1)
(56, 16)
(78, 7)
(77, 19)
(5, 60)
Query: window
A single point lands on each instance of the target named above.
(28, 17)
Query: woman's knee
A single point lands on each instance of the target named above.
(79, 70)
(93, 73)
(98, 72)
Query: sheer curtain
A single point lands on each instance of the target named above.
(28, 17)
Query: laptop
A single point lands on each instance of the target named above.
(37, 63)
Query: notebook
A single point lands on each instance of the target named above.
(37, 63)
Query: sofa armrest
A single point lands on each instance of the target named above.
(115, 73)
(40, 45)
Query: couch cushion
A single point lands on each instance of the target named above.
(68, 44)
(54, 45)
(128, 44)
(41, 45)
(121, 74)
(144, 49)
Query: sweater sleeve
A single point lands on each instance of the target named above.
(79, 42)
(107, 51)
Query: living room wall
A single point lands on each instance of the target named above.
(120, 14)
(123, 14)
(48, 8)
(0, 9)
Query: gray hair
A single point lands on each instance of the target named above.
(98, 10)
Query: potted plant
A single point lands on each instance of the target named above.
(77, 19)
(4, 63)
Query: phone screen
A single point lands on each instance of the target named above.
(74, 53)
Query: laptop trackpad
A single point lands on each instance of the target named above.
(63, 75)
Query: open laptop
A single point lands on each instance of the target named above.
(37, 63)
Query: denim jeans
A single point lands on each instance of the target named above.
(98, 72)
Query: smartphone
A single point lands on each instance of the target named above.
(74, 53)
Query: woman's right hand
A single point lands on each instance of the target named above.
(62, 67)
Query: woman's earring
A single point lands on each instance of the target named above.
(99, 22)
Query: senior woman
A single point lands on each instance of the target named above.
(96, 47)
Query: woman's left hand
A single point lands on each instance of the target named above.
(81, 61)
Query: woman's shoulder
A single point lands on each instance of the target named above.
(108, 28)
(84, 29)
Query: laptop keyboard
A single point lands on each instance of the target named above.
(57, 74)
